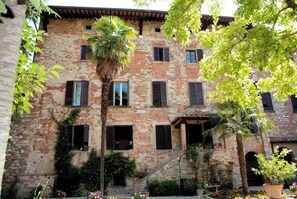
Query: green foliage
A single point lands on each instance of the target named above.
(68, 178)
(30, 76)
(2, 7)
(163, 187)
(276, 168)
(193, 155)
(257, 46)
(115, 163)
(112, 45)
(36, 7)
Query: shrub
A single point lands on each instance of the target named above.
(163, 188)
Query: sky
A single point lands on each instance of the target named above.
(162, 5)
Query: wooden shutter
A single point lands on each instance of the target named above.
(130, 136)
(166, 54)
(69, 136)
(199, 54)
(110, 94)
(294, 103)
(109, 137)
(199, 93)
(69, 93)
(167, 137)
(160, 137)
(192, 92)
(266, 101)
(84, 51)
(156, 54)
(156, 94)
(84, 93)
(86, 138)
(163, 98)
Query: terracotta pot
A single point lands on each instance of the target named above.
(273, 190)
(199, 192)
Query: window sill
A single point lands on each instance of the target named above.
(197, 106)
(269, 111)
(159, 106)
(164, 149)
(112, 106)
(192, 64)
(83, 106)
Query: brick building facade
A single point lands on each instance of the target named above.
(156, 103)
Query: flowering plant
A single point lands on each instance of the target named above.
(293, 187)
(94, 195)
(139, 196)
(60, 193)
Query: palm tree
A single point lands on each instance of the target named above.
(232, 119)
(111, 47)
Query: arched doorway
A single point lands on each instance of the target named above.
(251, 162)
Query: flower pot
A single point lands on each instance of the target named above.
(273, 190)
(199, 192)
(146, 194)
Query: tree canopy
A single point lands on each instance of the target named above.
(253, 54)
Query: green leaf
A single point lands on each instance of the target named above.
(36, 3)
(2, 7)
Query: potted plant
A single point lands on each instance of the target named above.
(199, 189)
(276, 170)
(293, 188)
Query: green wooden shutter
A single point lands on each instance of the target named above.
(156, 54)
(156, 94)
(110, 137)
(163, 97)
(69, 93)
(166, 54)
(84, 93)
(86, 138)
(199, 54)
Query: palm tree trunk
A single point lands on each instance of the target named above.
(10, 41)
(242, 165)
(104, 108)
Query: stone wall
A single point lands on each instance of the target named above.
(35, 134)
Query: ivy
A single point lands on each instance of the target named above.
(68, 178)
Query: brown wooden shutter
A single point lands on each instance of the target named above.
(167, 137)
(84, 93)
(84, 51)
(166, 54)
(192, 92)
(156, 94)
(130, 136)
(160, 137)
(156, 54)
(163, 98)
(69, 135)
(110, 94)
(69, 93)
(86, 138)
(109, 137)
(199, 93)
(199, 54)
(294, 103)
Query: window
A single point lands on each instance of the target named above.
(191, 56)
(77, 93)
(88, 27)
(194, 56)
(159, 94)
(157, 29)
(118, 94)
(84, 52)
(196, 94)
(163, 137)
(119, 137)
(78, 137)
(294, 103)
(267, 102)
(161, 54)
(195, 134)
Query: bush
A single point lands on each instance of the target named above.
(163, 188)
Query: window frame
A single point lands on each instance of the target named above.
(72, 136)
(85, 49)
(111, 94)
(71, 94)
(111, 140)
(159, 96)
(161, 54)
(191, 61)
(293, 99)
(267, 103)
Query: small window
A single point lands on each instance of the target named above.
(196, 94)
(77, 93)
(267, 101)
(294, 103)
(161, 54)
(78, 137)
(84, 52)
(118, 94)
(159, 94)
(191, 56)
(163, 137)
(157, 29)
(119, 137)
(88, 27)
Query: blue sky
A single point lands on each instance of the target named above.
(163, 5)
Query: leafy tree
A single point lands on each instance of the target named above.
(112, 47)
(256, 47)
(233, 119)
